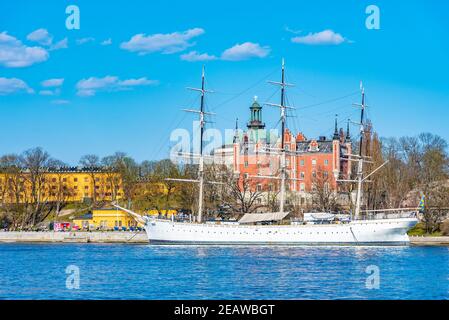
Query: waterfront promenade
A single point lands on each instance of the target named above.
(133, 237)
(76, 237)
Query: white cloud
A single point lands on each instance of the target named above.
(292, 30)
(326, 37)
(44, 38)
(13, 85)
(60, 101)
(136, 82)
(48, 92)
(63, 44)
(84, 40)
(193, 56)
(245, 51)
(41, 36)
(89, 87)
(106, 42)
(14, 54)
(56, 82)
(165, 43)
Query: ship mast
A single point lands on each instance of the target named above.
(360, 160)
(283, 108)
(201, 114)
(282, 195)
(201, 163)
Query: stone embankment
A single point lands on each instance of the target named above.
(77, 237)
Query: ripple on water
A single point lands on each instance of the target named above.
(37, 271)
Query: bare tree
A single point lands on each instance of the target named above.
(322, 194)
(37, 162)
(91, 162)
(242, 193)
(61, 192)
(13, 193)
(128, 170)
(436, 207)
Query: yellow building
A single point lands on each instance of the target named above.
(106, 219)
(112, 218)
(70, 184)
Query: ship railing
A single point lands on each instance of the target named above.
(385, 214)
(401, 213)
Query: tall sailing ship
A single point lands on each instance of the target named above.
(385, 227)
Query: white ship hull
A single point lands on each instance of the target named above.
(363, 232)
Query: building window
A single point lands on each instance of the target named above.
(314, 174)
(301, 163)
(86, 187)
(259, 187)
(302, 175)
(246, 164)
(64, 179)
(325, 174)
(302, 187)
(326, 162)
(53, 179)
(313, 162)
(86, 179)
(75, 179)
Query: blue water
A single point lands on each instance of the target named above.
(38, 271)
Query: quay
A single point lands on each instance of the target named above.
(135, 237)
(74, 237)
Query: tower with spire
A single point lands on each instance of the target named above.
(336, 134)
(348, 135)
(256, 116)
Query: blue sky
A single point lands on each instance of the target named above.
(118, 83)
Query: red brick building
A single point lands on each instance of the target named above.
(309, 162)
